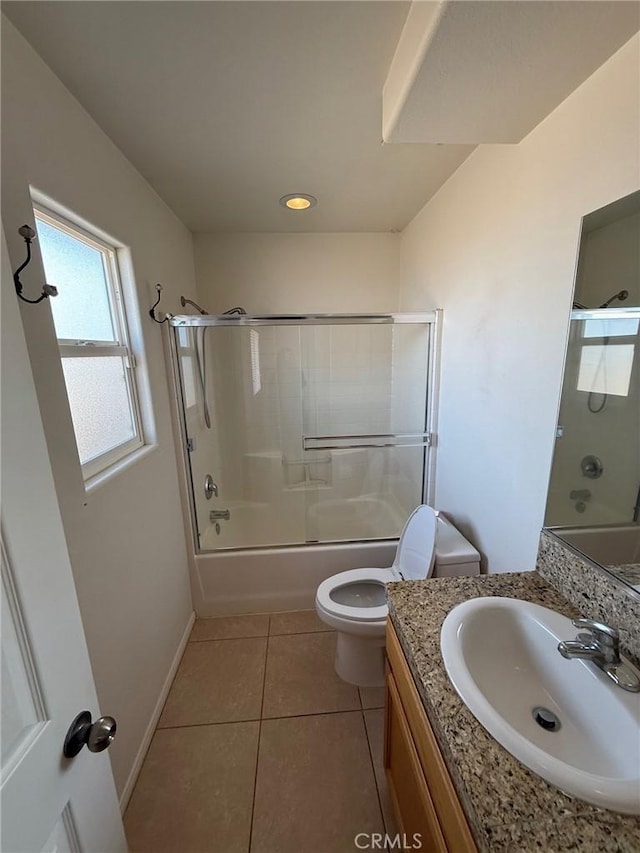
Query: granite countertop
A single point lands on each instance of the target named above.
(508, 807)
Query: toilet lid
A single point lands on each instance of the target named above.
(358, 594)
(416, 549)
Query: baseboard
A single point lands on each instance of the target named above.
(153, 722)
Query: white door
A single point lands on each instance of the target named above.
(49, 803)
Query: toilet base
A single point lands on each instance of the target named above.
(360, 660)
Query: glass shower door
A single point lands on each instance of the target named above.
(364, 398)
(312, 432)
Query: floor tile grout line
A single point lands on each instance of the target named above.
(268, 613)
(301, 633)
(203, 725)
(373, 768)
(255, 787)
(258, 636)
(269, 719)
(255, 776)
(226, 639)
(266, 662)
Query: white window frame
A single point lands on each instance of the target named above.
(120, 348)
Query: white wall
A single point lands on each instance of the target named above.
(496, 248)
(125, 538)
(298, 273)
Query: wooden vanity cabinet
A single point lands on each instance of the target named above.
(422, 793)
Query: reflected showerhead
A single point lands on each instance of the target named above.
(621, 295)
(184, 302)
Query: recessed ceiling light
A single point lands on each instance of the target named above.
(298, 201)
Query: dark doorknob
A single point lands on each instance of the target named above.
(97, 736)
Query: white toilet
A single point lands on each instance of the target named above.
(355, 602)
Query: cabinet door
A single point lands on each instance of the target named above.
(451, 818)
(409, 790)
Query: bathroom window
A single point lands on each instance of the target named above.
(90, 322)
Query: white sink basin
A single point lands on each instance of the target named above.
(501, 657)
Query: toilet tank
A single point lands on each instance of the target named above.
(455, 555)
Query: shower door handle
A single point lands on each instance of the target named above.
(355, 440)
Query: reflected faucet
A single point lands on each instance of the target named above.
(600, 644)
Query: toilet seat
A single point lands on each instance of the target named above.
(414, 559)
(359, 615)
(354, 613)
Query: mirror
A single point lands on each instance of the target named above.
(593, 502)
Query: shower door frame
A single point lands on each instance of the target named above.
(433, 319)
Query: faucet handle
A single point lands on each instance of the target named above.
(603, 634)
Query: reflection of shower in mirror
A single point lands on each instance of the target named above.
(599, 452)
(621, 295)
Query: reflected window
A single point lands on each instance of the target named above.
(610, 327)
(606, 369)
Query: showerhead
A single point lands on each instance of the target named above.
(621, 295)
(184, 302)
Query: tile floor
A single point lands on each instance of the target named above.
(261, 747)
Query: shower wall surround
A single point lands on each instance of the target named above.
(594, 593)
(317, 426)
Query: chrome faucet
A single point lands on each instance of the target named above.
(219, 515)
(600, 644)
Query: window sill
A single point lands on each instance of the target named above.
(94, 483)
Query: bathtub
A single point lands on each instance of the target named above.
(615, 546)
(266, 580)
(252, 572)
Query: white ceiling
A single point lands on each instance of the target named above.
(226, 106)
